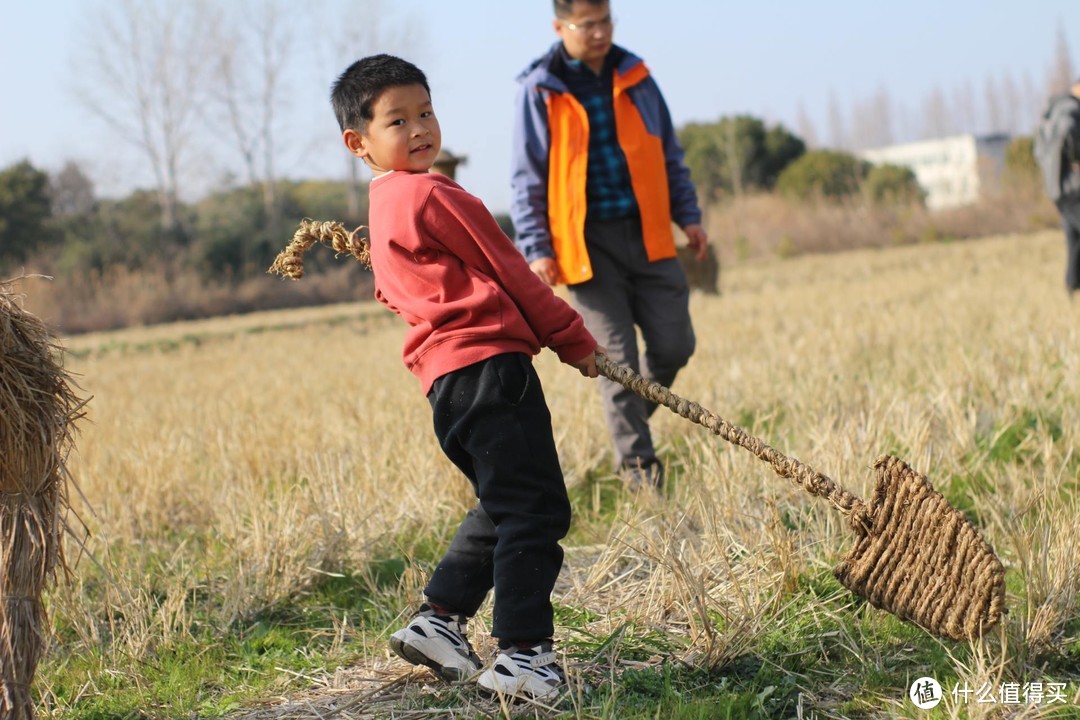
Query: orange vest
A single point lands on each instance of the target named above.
(568, 159)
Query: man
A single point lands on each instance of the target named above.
(598, 179)
(1057, 151)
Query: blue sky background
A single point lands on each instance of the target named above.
(711, 58)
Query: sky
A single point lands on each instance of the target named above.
(711, 58)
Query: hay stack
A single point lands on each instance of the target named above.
(37, 413)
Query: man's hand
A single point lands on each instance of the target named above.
(698, 241)
(547, 270)
(587, 365)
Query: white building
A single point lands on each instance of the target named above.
(953, 171)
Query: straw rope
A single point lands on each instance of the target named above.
(915, 556)
(806, 477)
(38, 409)
(290, 261)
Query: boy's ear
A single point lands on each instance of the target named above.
(354, 141)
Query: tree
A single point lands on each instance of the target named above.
(146, 63)
(994, 115)
(1020, 171)
(936, 120)
(781, 149)
(888, 184)
(1061, 77)
(838, 137)
(131, 234)
(871, 123)
(253, 57)
(804, 126)
(822, 173)
(71, 191)
(1010, 92)
(964, 104)
(24, 211)
(737, 153)
(1033, 103)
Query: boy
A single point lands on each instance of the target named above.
(477, 315)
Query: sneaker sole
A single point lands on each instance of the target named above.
(517, 687)
(413, 655)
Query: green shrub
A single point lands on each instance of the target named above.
(822, 173)
(888, 184)
(24, 212)
(737, 154)
(1020, 168)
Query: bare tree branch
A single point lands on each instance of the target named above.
(142, 70)
(1060, 77)
(804, 126)
(253, 55)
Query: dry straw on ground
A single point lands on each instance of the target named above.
(38, 409)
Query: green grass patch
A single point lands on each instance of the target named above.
(212, 669)
(1011, 442)
(671, 691)
(595, 500)
(205, 675)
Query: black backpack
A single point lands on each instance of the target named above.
(1056, 145)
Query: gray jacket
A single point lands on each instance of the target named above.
(1057, 148)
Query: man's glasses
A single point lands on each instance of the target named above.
(589, 27)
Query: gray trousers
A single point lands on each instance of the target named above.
(1070, 223)
(628, 292)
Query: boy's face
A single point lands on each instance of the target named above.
(403, 133)
(587, 32)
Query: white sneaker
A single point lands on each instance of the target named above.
(532, 672)
(439, 642)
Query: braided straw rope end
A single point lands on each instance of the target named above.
(290, 261)
(919, 558)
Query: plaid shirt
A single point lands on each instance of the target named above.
(608, 192)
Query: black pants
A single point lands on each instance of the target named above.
(492, 421)
(1070, 222)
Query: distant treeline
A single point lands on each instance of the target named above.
(123, 261)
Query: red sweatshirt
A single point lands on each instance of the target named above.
(443, 264)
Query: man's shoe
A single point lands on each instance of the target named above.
(439, 642)
(525, 672)
(640, 473)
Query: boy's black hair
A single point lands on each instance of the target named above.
(354, 93)
(565, 8)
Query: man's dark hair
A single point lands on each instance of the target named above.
(565, 8)
(354, 93)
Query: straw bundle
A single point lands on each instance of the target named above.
(37, 413)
